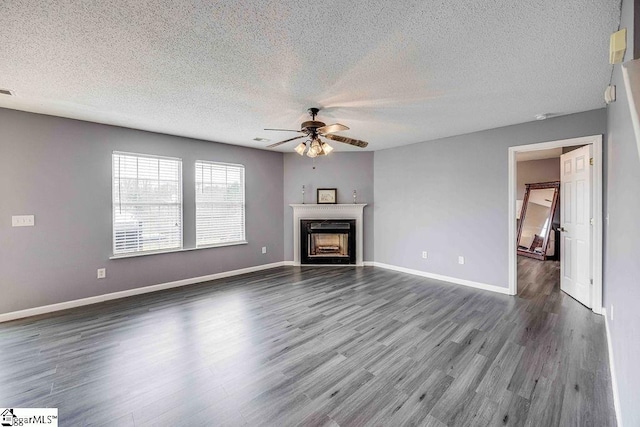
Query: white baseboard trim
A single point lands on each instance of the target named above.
(463, 282)
(6, 317)
(612, 369)
(131, 292)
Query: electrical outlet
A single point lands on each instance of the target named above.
(264, 249)
(102, 273)
(611, 313)
(460, 259)
(424, 254)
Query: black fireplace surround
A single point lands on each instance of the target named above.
(327, 241)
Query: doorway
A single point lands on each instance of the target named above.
(595, 143)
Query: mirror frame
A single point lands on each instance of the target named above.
(552, 211)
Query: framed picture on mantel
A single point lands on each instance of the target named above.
(327, 196)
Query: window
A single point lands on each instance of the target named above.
(219, 203)
(147, 203)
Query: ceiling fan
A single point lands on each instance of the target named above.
(313, 130)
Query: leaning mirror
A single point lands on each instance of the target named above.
(536, 219)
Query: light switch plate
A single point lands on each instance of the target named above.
(460, 260)
(102, 273)
(23, 220)
(264, 249)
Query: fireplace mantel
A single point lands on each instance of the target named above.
(328, 211)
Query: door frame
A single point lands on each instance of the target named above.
(596, 200)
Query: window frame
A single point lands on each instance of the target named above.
(243, 241)
(181, 207)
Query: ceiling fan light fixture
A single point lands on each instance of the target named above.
(300, 148)
(312, 130)
(315, 146)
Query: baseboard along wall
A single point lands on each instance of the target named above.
(6, 317)
(612, 369)
(455, 280)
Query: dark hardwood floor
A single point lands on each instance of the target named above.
(317, 346)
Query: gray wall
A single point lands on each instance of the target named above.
(346, 171)
(60, 170)
(449, 197)
(622, 238)
(533, 171)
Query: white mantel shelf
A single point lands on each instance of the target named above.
(328, 211)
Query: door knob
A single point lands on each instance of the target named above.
(562, 229)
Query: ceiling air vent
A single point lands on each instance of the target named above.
(6, 92)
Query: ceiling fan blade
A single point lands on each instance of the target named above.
(286, 130)
(286, 140)
(336, 127)
(356, 142)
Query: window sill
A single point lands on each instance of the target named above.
(170, 251)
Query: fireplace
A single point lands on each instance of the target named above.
(322, 213)
(328, 241)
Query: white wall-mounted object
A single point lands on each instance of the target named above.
(338, 211)
(610, 94)
(102, 273)
(23, 220)
(631, 73)
(617, 46)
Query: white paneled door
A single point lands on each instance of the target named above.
(575, 220)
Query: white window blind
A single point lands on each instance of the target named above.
(219, 203)
(147, 203)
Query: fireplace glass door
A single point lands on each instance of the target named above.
(328, 241)
(328, 245)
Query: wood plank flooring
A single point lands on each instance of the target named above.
(318, 346)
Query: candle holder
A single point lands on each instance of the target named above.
(303, 194)
(355, 196)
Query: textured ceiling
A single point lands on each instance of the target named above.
(394, 72)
